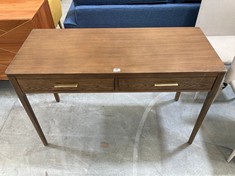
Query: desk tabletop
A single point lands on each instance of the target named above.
(99, 51)
(19, 9)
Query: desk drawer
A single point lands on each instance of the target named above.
(65, 85)
(165, 84)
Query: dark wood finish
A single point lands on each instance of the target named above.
(49, 85)
(177, 96)
(209, 99)
(57, 97)
(118, 60)
(24, 100)
(17, 19)
(197, 83)
(89, 84)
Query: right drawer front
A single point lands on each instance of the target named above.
(165, 84)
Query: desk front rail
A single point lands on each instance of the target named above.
(116, 83)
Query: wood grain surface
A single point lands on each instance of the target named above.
(184, 83)
(48, 85)
(99, 51)
(19, 9)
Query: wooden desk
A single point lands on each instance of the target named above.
(116, 60)
(17, 19)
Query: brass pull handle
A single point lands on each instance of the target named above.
(65, 85)
(166, 85)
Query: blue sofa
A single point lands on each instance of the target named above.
(131, 13)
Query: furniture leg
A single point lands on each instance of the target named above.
(24, 100)
(57, 98)
(231, 156)
(177, 96)
(209, 99)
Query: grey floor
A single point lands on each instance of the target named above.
(116, 134)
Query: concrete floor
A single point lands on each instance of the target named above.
(115, 134)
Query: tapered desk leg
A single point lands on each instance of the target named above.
(209, 99)
(57, 98)
(28, 109)
(177, 96)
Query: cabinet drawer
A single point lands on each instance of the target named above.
(166, 84)
(65, 85)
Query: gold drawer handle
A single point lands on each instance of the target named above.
(65, 85)
(166, 85)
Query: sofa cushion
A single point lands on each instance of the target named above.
(158, 15)
(118, 2)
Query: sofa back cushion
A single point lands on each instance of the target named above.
(118, 2)
(155, 15)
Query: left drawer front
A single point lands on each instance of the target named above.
(65, 85)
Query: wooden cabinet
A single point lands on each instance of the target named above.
(17, 19)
